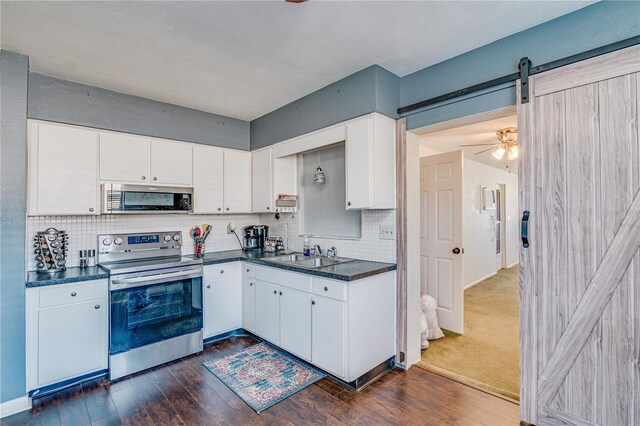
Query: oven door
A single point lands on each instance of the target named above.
(150, 307)
(119, 199)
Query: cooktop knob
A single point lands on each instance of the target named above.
(176, 237)
(118, 241)
(167, 238)
(106, 241)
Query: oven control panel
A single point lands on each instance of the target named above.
(120, 243)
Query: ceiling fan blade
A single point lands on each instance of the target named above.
(483, 144)
(484, 150)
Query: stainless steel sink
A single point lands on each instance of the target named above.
(300, 261)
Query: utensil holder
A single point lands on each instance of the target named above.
(199, 248)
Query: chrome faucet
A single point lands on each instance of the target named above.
(317, 251)
(332, 253)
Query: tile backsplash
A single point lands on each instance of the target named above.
(83, 232)
(368, 247)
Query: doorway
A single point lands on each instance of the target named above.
(469, 254)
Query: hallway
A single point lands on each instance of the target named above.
(487, 355)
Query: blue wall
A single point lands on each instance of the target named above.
(14, 74)
(593, 26)
(372, 89)
(64, 101)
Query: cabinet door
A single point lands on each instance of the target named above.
(358, 163)
(237, 181)
(67, 166)
(295, 322)
(124, 158)
(69, 348)
(268, 311)
(171, 162)
(328, 333)
(261, 188)
(249, 304)
(222, 306)
(208, 175)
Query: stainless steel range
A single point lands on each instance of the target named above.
(155, 300)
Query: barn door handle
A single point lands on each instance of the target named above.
(524, 229)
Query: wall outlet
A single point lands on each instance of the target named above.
(231, 227)
(387, 232)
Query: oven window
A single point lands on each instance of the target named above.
(144, 315)
(148, 199)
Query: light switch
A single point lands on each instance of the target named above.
(387, 232)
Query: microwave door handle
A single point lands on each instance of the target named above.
(121, 283)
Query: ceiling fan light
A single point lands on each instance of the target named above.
(512, 154)
(499, 153)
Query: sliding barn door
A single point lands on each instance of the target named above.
(580, 276)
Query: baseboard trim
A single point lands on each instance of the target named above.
(513, 264)
(14, 406)
(480, 280)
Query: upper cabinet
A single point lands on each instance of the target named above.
(221, 180)
(63, 170)
(171, 162)
(137, 159)
(237, 181)
(124, 158)
(271, 177)
(370, 163)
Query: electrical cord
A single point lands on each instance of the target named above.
(238, 238)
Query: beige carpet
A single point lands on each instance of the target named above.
(487, 355)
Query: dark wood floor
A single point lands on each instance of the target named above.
(184, 392)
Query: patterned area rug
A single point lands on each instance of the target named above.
(262, 375)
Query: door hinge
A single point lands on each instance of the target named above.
(402, 356)
(524, 66)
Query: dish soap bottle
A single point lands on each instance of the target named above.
(306, 250)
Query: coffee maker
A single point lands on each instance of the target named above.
(255, 236)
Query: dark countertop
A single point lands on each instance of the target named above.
(71, 275)
(348, 271)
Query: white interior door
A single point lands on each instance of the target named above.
(441, 236)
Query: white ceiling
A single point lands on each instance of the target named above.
(484, 132)
(245, 58)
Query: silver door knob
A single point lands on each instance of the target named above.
(208, 285)
(155, 178)
(90, 209)
(222, 271)
(268, 208)
(219, 209)
(326, 288)
(96, 307)
(275, 292)
(455, 251)
(227, 208)
(144, 178)
(74, 294)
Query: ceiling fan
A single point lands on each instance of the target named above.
(507, 143)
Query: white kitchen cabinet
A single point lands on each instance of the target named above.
(63, 170)
(268, 311)
(67, 331)
(208, 175)
(237, 181)
(328, 335)
(249, 304)
(222, 295)
(295, 322)
(171, 162)
(262, 181)
(124, 158)
(370, 163)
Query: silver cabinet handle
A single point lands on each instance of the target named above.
(208, 285)
(155, 178)
(250, 284)
(91, 209)
(280, 293)
(348, 203)
(326, 288)
(219, 209)
(268, 208)
(144, 178)
(74, 294)
(222, 271)
(313, 302)
(248, 269)
(227, 208)
(96, 307)
(275, 292)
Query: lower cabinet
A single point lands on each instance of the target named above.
(222, 295)
(268, 311)
(249, 304)
(67, 332)
(295, 322)
(328, 334)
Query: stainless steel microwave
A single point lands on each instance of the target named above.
(138, 199)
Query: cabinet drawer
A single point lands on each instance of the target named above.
(221, 271)
(68, 294)
(286, 279)
(330, 288)
(248, 270)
